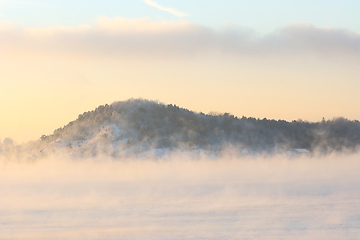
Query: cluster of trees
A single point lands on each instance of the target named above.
(6, 146)
(150, 124)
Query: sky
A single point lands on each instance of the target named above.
(276, 59)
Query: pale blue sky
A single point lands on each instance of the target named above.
(262, 15)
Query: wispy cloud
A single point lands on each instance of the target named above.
(133, 37)
(166, 9)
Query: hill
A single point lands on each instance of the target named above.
(140, 126)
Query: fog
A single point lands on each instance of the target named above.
(181, 197)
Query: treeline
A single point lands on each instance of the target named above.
(143, 125)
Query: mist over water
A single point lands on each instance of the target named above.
(140, 169)
(181, 197)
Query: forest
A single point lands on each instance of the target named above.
(137, 126)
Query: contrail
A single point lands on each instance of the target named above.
(167, 9)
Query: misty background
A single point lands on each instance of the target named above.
(140, 169)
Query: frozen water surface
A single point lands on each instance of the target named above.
(270, 198)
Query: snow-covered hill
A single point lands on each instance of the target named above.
(141, 127)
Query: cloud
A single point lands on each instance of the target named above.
(120, 37)
(166, 9)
